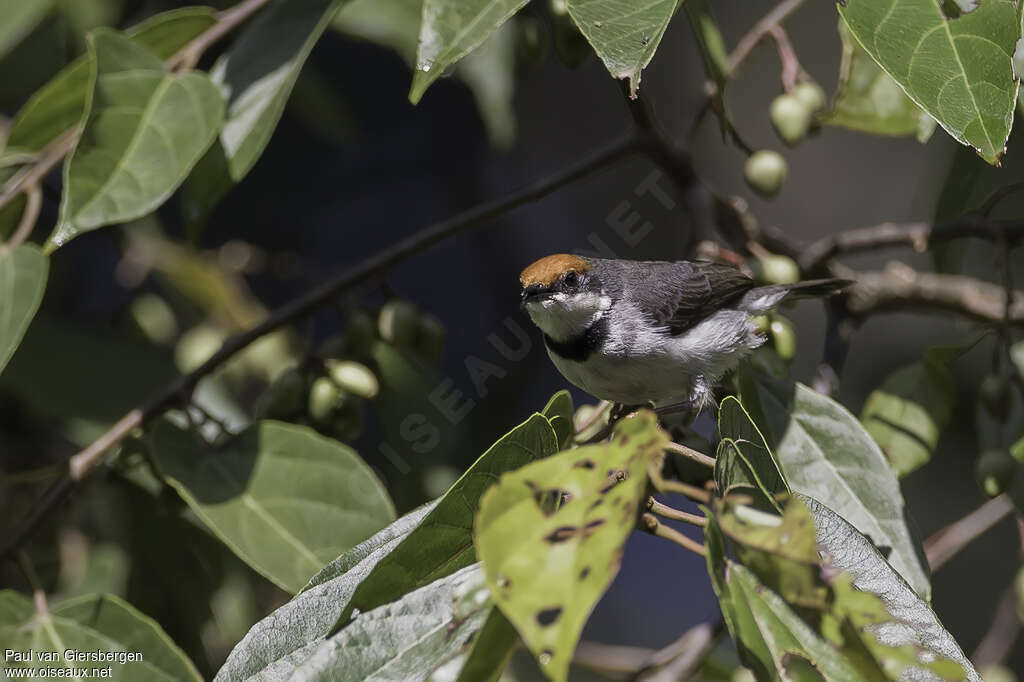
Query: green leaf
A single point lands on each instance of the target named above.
(912, 620)
(491, 651)
(559, 412)
(98, 622)
(869, 100)
(308, 618)
(257, 73)
(743, 459)
(144, 130)
(443, 542)
(407, 639)
(550, 535)
(20, 17)
(23, 273)
(283, 498)
(908, 412)
(60, 104)
(451, 29)
(957, 70)
(824, 452)
(623, 35)
(709, 38)
(488, 72)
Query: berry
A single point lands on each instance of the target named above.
(765, 171)
(995, 470)
(791, 118)
(811, 95)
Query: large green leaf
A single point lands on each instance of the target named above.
(23, 272)
(825, 453)
(311, 614)
(913, 622)
(743, 459)
(488, 72)
(60, 104)
(550, 535)
(869, 100)
(98, 622)
(407, 639)
(144, 130)
(451, 29)
(908, 412)
(20, 17)
(257, 74)
(958, 70)
(624, 35)
(559, 412)
(443, 542)
(285, 499)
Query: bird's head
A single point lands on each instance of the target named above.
(563, 296)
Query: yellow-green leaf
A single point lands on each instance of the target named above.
(23, 272)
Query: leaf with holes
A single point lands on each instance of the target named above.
(624, 36)
(908, 412)
(958, 70)
(743, 460)
(559, 412)
(23, 273)
(60, 104)
(550, 535)
(450, 30)
(285, 499)
(144, 130)
(869, 100)
(443, 542)
(824, 452)
(270, 646)
(97, 622)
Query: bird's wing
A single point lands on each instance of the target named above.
(679, 295)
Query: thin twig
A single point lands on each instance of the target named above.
(85, 461)
(695, 493)
(33, 175)
(998, 642)
(650, 524)
(227, 21)
(947, 542)
(671, 662)
(791, 69)
(762, 28)
(690, 454)
(666, 512)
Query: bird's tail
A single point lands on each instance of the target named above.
(763, 299)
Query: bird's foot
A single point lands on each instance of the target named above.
(620, 411)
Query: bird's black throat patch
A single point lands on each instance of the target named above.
(580, 347)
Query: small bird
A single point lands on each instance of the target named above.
(634, 332)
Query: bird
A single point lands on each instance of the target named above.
(651, 332)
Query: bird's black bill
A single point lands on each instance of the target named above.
(533, 292)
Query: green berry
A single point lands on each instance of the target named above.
(324, 396)
(995, 470)
(196, 346)
(995, 396)
(761, 324)
(155, 318)
(398, 323)
(765, 171)
(774, 269)
(354, 377)
(783, 338)
(791, 118)
(811, 95)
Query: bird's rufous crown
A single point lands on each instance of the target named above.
(549, 268)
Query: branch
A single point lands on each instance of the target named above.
(649, 523)
(899, 287)
(947, 542)
(676, 661)
(998, 642)
(82, 463)
(762, 28)
(690, 454)
(667, 512)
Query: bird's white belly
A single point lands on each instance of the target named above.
(655, 377)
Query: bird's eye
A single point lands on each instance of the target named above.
(571, 278)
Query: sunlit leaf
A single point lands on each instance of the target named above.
(144, 130)
(98, 622)
(443, 542)
(559, 412)
(743, 460)
(958, 70)
(60, 103)
(550, 535)
(285, 499)
(624, 35)
(23, 273)
(824, 452)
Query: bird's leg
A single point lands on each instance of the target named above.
(621, 410)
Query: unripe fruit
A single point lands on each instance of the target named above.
(791, 118)
(398, 323)
(742, 675)
(354, 377)
(783, 338)
(324, 396)
(155, 318)
(585, 416)
(995, 396)
(810, 95)
(765, 171)
(437, 480)
(196, 346)
(430, 338)
(995, 470)
(774, 269)
(761, 324)
(285, 397)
